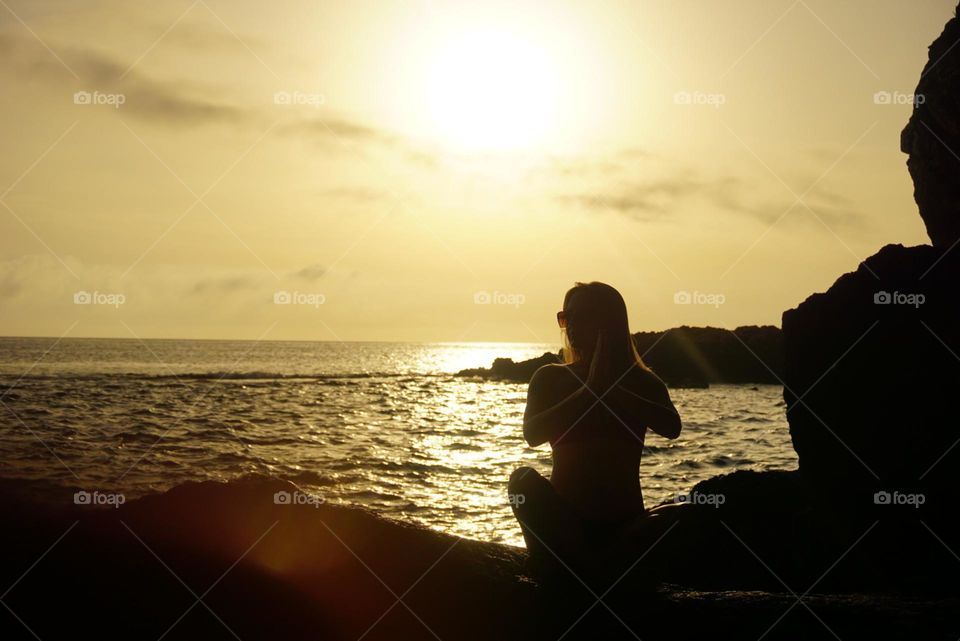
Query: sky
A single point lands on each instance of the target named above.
(444, 171)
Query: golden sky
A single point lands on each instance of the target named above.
(443, 171)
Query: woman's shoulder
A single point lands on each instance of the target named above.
(554, 369)
(556, 374)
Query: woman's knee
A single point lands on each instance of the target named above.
(521, 479)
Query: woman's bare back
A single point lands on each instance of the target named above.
(596, 462)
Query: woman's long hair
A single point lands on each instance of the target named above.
(600, 307)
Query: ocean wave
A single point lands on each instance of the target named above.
(310, 477)
(372, 495)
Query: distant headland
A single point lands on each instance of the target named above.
(682, 357)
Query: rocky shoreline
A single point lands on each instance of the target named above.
(263, 570)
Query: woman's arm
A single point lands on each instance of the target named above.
(544, 419)
(648, 404)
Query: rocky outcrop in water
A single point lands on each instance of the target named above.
(506, 369)
(699, 356)
(682, 357)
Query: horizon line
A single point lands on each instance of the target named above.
(315, 340)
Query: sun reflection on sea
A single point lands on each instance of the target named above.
(453, 357)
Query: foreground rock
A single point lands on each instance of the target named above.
(264, 570)
(871, 372)
(268, 571)
(932, 138)
(870, 386)
(872, 365)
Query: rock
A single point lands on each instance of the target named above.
(273, 571)
(871, 375)
(698, 356)
(682, 357)
(741, 514)
(505, 369)
(932, 139)
(872, 368)
(264, 570)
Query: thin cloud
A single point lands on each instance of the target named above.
(660, 199)
(639, 201)
(169, 104)
(311, 272)
(355, 194)
(228, 284)
(336, 132)
(207, 37)
(335, 129)
(159, 102)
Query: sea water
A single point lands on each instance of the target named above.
(385, 425)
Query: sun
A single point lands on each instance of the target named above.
(492, 91)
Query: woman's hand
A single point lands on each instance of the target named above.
(598, 378)
(645, 401)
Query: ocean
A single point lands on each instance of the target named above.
(384, 425)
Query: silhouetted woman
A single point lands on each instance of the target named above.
(594, 410)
